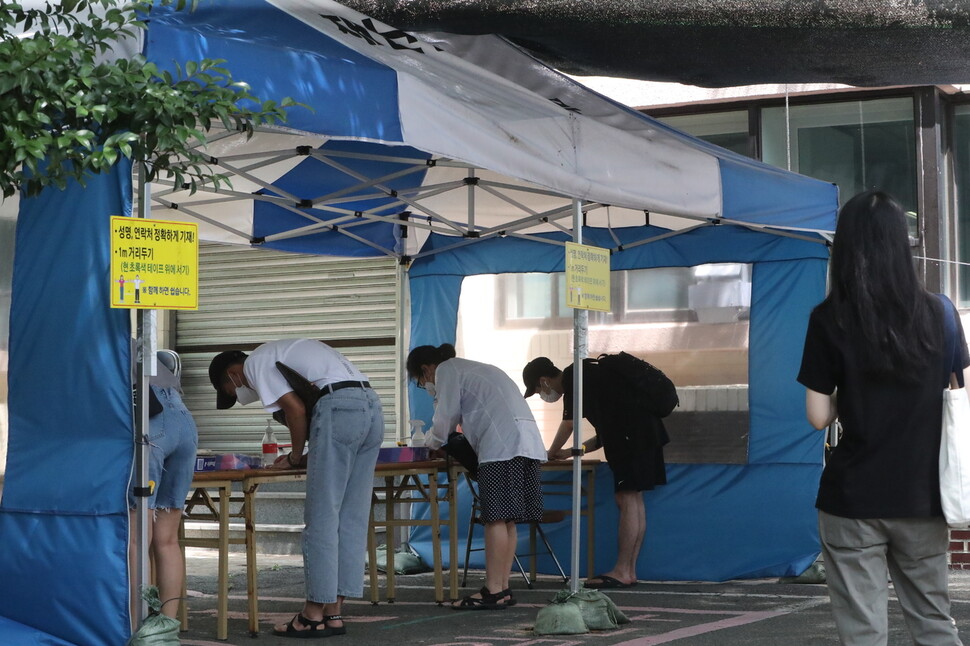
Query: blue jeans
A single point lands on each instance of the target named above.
(173, 440)
(345, 436)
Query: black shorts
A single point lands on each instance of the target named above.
(636, 465)
(510, 490)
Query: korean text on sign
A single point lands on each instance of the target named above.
(154, 264)
(587, 277)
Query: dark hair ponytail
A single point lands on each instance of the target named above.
(876, 296)
(427, 355)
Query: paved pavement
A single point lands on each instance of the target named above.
(763, 612)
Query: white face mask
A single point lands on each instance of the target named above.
(547, 394)
(245, 395)
(429, 387)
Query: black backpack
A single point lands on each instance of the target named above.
(657, 390)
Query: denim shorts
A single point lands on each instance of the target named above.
(173, 440)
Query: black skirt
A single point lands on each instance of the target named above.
(510, 490)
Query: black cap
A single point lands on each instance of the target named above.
(217, 372)
(535, 370)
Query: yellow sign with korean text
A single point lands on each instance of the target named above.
(154, 264)
(587, 277)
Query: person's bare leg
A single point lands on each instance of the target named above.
(499, 555)
(499, 552)
(635, 516)
(169, 566)
(511, 541)
(632, 527)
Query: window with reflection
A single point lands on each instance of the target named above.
(725, 129)
(691, 322)
(858, 145)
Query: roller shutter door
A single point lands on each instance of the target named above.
(249, 296)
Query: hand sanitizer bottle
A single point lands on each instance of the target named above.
(417, 432)
(270, 447)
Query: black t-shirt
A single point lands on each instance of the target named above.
(886, 464)
(611, 405)
(603, 398)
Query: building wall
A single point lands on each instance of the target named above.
(960, 549)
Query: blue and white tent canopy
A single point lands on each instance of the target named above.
(462, 135)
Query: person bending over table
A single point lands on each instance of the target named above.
(632, 438)
(500, 428)
(344, 431)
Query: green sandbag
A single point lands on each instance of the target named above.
(406, 561)
(560, 618)
(157, 630)
(815, 573)
(578, 613)
(598, 610)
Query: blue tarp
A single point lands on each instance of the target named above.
(711, 522)
(64, 517)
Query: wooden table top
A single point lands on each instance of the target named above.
(238, 475)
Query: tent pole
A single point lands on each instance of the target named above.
(403, 406)
(471, 200)
(580, 323)
(145, 355)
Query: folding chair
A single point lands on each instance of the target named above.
(535, 528)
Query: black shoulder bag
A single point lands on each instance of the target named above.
(458, 448)
(303, 388)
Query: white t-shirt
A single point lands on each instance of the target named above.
(493, 414)
(316, 361)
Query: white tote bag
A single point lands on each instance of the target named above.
(955, 458)
(955, 437)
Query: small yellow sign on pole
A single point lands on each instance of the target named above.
(587, 277)
(154, 264)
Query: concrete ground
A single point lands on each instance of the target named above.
(760, 612)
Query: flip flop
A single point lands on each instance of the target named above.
(606, 582)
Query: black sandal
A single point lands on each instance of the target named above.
(311, 629)
(488, 601)
(507, 592)
(336, 630)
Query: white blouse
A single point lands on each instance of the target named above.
(490, 408)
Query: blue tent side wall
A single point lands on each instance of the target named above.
(711, 522)
(64, 518)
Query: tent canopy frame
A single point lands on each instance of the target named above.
(403, 207)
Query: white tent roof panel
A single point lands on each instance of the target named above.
(439, 105)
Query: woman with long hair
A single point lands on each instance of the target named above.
(499, 425)
(875, 358)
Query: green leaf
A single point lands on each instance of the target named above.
(59, 101)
